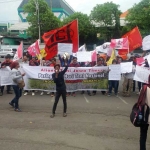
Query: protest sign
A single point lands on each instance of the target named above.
(115, 72)
(84, 57)
(142, 74)
(65, 47)
(5, 76)
(126, 67)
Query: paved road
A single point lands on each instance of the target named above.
(93, 123)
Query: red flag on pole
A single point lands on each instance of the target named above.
(34, 49)
(135, 40)
(65, 34)
(19, 52)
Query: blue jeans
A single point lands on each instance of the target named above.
(113, 84)
(18, 94)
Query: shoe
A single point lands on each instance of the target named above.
(18, 109)
(42, 93)
(64, 115)
(26, 93)
(108, 95)
(9, 92)
(52, 115)
(11, 104)
(48, 93)
(33, 93)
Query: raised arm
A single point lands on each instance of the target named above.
(64, 71)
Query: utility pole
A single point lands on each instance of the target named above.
(51, 2)
(38, 14)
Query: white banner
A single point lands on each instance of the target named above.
(65, 47)
(142, 74)
(126, 67)
(115, 72)
(84, 57)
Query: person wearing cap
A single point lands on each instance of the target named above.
(7, 63)
(58, 78)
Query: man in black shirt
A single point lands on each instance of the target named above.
(58, 78)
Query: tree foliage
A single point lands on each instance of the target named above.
(47, 20)
(107, 17)
(87, 31)
(139, 15)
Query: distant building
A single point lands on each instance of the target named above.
(60, 8)
(123, 17)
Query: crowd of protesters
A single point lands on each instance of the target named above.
(129, 85)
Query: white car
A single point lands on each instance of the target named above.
(6, 51)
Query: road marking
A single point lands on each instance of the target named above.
(122, 100)
(52, 100)
(86, 99)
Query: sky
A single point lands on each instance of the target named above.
(8, 8)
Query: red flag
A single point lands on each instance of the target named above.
(19, 52)
(135, 40)
(65, 34)
(34, 49)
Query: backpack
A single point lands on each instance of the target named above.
(140, 111)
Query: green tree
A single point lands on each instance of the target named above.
(87, 31)
(139, 15)
(47, 21)
(107, 18)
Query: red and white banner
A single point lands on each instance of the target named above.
(65, 34)
(120, 43)
(19, 52)
(34, 49)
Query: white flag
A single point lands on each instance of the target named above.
(82, 48)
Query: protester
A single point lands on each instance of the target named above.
(128, 80)
(58, 78)
(64, 60)
(6, 63)
(86, 64)
(113, 83)
(33, 62)
(144, 127)
(16, 77)
(100, 62)
(74, 64)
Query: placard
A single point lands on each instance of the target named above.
(65, 47)
(115, 72)
(84, 57)
(126, 67)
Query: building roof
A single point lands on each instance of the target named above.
(55, 4)
(19, 26)
(123, 15)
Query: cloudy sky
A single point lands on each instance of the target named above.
(8, 8)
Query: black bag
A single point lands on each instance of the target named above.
(139, 115)
(140, 110)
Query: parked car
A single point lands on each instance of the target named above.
(5, 51)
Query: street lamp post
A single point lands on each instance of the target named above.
(38, 14)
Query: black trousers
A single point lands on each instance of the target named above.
(143, 136)
(8, 88)
(57, 96)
